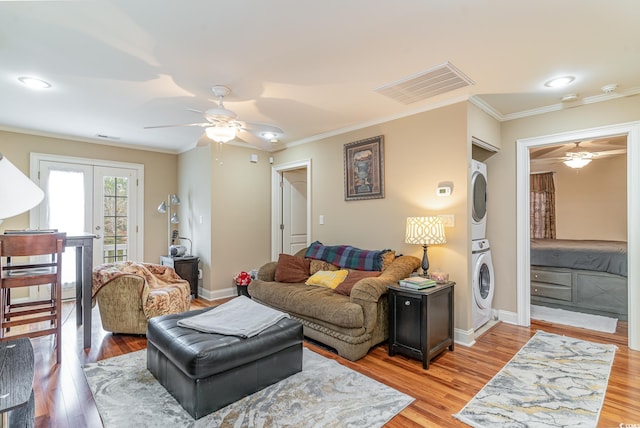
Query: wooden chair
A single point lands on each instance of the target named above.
(19, 269)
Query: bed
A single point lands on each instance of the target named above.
(580, 275)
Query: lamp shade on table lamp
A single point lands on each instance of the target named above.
(425, 231)
(17, 192)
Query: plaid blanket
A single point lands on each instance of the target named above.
(346, 256)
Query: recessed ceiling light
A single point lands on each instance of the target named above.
(558, 82)
(34, 83)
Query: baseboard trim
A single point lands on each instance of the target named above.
(464, 337)
(508, 317)
(217, 294)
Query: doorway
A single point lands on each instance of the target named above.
(88, 195)
(291, 207)
(632, 133)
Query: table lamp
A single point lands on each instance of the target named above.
(425, 231)
(17, 192)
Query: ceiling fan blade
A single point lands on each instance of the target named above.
(610, 153)
(260, 127)
(254, 140)
(202, 125)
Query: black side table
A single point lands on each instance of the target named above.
(186, 267)
(421, 321)
(16, 383)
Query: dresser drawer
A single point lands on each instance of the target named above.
(551, 291)
(551, 276)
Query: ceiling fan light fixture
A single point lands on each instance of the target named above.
(577, 162)
(221, 134)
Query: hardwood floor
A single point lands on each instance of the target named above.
(63, 398)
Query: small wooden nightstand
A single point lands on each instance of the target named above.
(186, 267)
(421, 321)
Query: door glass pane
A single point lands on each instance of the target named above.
(66, 213)
(115, 219)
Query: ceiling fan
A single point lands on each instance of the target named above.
(223, 126)
(578, 157)
(575, 157)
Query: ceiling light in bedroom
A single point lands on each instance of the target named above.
(577, 162)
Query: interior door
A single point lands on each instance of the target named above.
(294, 210)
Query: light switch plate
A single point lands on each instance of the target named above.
(448, 220)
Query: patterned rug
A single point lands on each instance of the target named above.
(323, 394)
(553, 381)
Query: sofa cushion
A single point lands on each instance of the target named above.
(312, 303)
(346, 256)
(318, 265)
(292, 269)
(354, 276)
(328, 278)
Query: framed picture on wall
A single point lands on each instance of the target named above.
(364, 169)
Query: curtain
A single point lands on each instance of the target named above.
(543, 206)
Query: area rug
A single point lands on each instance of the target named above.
(553, 381)
(324, 394)
(575, 319)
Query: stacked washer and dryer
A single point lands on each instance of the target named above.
(483, 286)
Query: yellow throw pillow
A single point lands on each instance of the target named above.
(325, 278)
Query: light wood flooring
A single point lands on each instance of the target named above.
(63, 398)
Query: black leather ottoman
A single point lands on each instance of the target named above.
(206, 371)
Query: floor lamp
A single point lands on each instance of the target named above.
(172, 218)
(425, 231)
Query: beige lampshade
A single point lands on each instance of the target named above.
(425, 231)
(17, 192)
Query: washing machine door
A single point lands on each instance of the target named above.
(483, 281)
(479, 188)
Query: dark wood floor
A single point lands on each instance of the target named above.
(63, 398)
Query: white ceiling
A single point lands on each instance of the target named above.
(310, 68)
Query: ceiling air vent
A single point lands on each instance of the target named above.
(425, 84)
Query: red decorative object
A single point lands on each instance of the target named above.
(243, 278)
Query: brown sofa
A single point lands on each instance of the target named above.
(350, 324)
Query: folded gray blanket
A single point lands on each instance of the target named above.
(238, 317)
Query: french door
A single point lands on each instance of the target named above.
(84, 195)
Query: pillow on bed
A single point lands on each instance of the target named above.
(292, 269)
